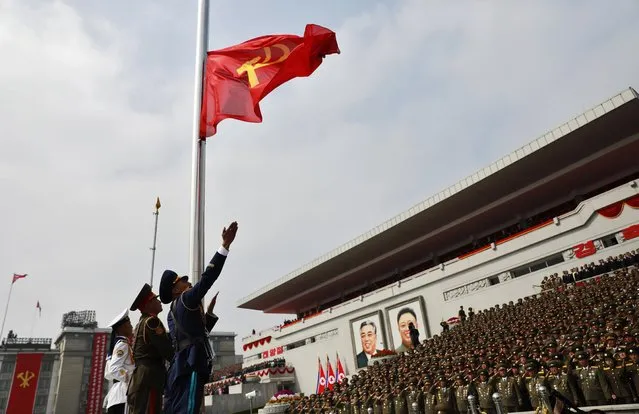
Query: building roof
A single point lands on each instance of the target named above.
(20, 344)
(222, 333)
(77, 330)
(554, 167)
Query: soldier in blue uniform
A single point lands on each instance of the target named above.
(189, 325)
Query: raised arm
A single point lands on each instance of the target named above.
(194, 296)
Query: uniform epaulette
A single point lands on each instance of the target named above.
(630, 364)
(607, 369)
(594, 366)
(152, 322)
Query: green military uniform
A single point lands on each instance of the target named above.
(632, 372)
(532, 379)
(429, 400)
(593, 384)
(399, 401)
(508, 387)
(461, 397)
(485, 390)
(414, 395)
(616, 374)
(561, 382)
(444, 397)
(151, 348)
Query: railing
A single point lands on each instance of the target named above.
(21, 342)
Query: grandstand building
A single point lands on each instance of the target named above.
(566, 199)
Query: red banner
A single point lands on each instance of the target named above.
(24, 384)
(585, 249)
(96, 378)
(631, 232)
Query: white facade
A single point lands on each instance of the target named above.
(330, 332)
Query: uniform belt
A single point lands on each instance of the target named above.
(185, 343)
(149, 361)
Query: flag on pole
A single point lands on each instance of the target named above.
(237, 78)
(17, 276)
(330, 373)
(340, 370)
(321, 378)
(39, 308)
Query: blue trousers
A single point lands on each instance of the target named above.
(185, 395)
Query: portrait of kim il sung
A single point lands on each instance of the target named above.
(368, 337)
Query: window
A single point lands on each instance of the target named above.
(7, 366)
(609, 240)
(41, 400)
(46, 366)
(44, 383)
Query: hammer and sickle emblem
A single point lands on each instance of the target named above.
(25, 377)
(250, 67)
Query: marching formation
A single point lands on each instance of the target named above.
(137, 358)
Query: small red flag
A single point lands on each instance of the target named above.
(340, 370)
(237, 78)
(330, 373)
(321, 378)
(16, 277)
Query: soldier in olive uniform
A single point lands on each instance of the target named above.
(532, 379)
(428, 396)
(615, 374)
(592, 382)
(444, 396)
(632, 372)
(399, 400)
(151, 349)
(561, 382)
(414, 395)
(462, 390)
(507, 386)
(485, 387)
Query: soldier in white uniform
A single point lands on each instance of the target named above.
(119, 365)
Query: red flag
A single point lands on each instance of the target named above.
(331, 374)
(25, 383)
(237, 78)
(321, 378)
(340, 371)
(17, 276)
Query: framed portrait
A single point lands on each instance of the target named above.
(367, 336)
(399, 318)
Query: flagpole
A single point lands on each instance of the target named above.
(155, 237)
(6, 309)
(198, 171)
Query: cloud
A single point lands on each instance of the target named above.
(95, 123)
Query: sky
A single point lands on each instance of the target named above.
(96, 112)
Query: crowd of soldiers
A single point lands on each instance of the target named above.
(579, 340)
